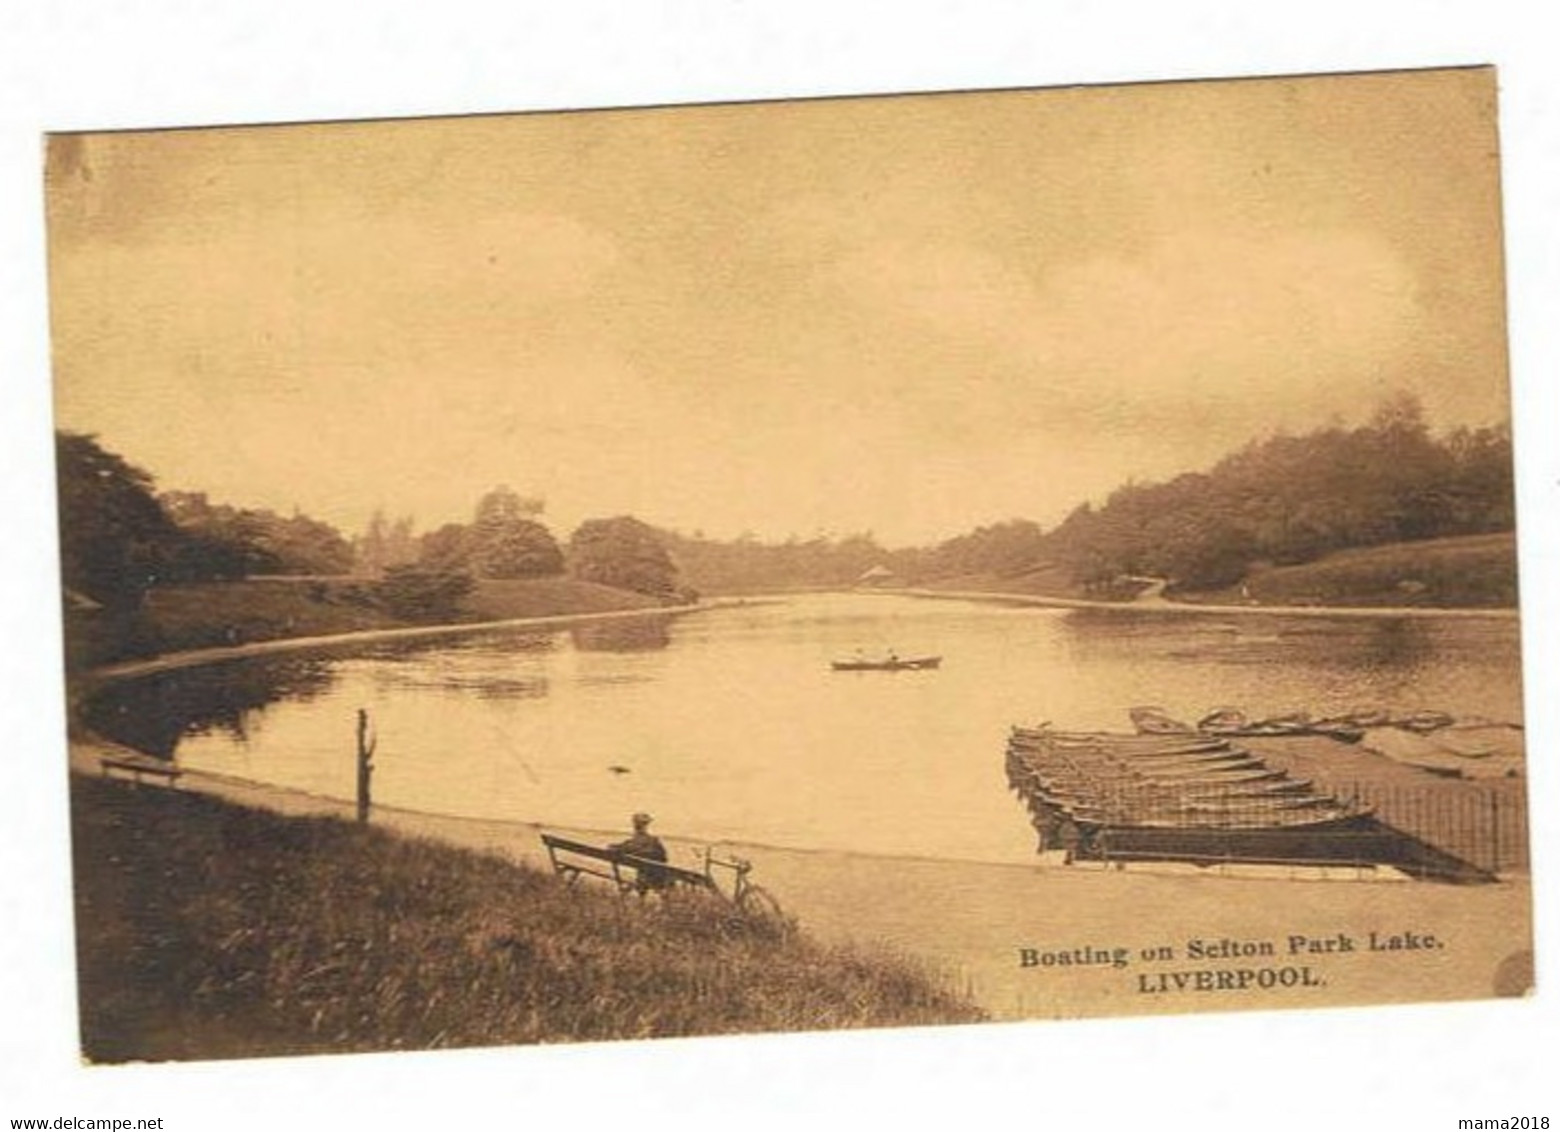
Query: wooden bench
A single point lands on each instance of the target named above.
(574, 859)
(139, 766)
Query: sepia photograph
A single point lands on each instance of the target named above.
(816, 564)
(589, 576)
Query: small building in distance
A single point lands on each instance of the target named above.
(879, 575)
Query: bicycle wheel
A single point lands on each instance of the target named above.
(761, 908)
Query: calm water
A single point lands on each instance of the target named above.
(729, 724)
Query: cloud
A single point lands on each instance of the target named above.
(889, 312)
(1251, 308)
(1298, 322)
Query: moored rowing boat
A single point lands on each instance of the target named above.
(1105, 782)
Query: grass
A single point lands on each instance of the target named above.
(1476, 571)
(496, 600)
(206, 930)
(214, 614)
(1045, 579)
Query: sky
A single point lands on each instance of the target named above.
(900, 315)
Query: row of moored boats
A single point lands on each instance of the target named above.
(1097, 781)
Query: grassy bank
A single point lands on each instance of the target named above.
(207, 930)
(1476, 572)
(1044, 580)
(217, 614)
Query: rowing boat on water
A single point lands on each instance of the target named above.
(886, 664)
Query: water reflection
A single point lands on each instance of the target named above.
(1400, 644)
(647, 634)
(154, 713)
(475, 643)
(487, 666)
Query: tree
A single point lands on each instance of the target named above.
(219, 543)
(384, 544)
(1002, 548)
(505, 505)
(448, 548)
(400, 546)
(308, 546)
(625, 553)
(522, 549)
(229, 542)
(746, 564)
(504, 542)
(1481, 490)
(416, 594)
(116, 542)
(1291, 499)
(368, 549)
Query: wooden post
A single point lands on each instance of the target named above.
(1494, 832)
(365, 763)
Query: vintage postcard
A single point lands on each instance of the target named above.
(803, 565)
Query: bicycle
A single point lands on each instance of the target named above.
(753, 901)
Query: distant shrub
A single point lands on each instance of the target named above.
(625, 553)
(415, 594)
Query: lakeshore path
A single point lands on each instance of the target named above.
(970, 921)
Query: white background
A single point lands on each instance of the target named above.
(84, 64)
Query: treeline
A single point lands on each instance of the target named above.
(1292, 499)
(747, 565)
(232, 542)
(1012, 547)
(119, 539)
(506, 540)
(1281, 501)
(426, 576)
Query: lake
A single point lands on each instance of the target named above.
(728, 723)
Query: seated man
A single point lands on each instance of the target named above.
(647, 846)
